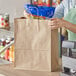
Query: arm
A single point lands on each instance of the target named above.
(59, 13)
(59, 23)
(70, 26)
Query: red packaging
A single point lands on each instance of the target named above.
(7, 54)
(44, 2)
(48, 3)
(35, 2)
(40, 2)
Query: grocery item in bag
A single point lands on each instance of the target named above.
(31, 16)
(48, 3)
(35, 2)
(39, 2)
(40, 11)
(44, 2)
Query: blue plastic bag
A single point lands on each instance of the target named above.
(43, 11)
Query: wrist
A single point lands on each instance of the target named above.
(66, 24)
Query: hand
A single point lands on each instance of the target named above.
(56, 23)
(26, 14)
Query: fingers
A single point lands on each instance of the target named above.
(52, 23)
(54, 27)
(53, 19)
(56, 23)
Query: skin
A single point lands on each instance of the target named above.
(56, 23)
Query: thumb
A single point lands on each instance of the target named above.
(53, 19)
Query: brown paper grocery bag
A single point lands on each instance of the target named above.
(36, 46)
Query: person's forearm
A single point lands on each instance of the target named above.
(71, 27)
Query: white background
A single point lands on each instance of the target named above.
(15, 8)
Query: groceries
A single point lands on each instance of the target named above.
(8, 54)
(43, 2)
(31, 16)
(38, 11)
(4, 20)
(40, 2)
(48, 2)
(3, 54)
(35, 2)
(11, 53)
